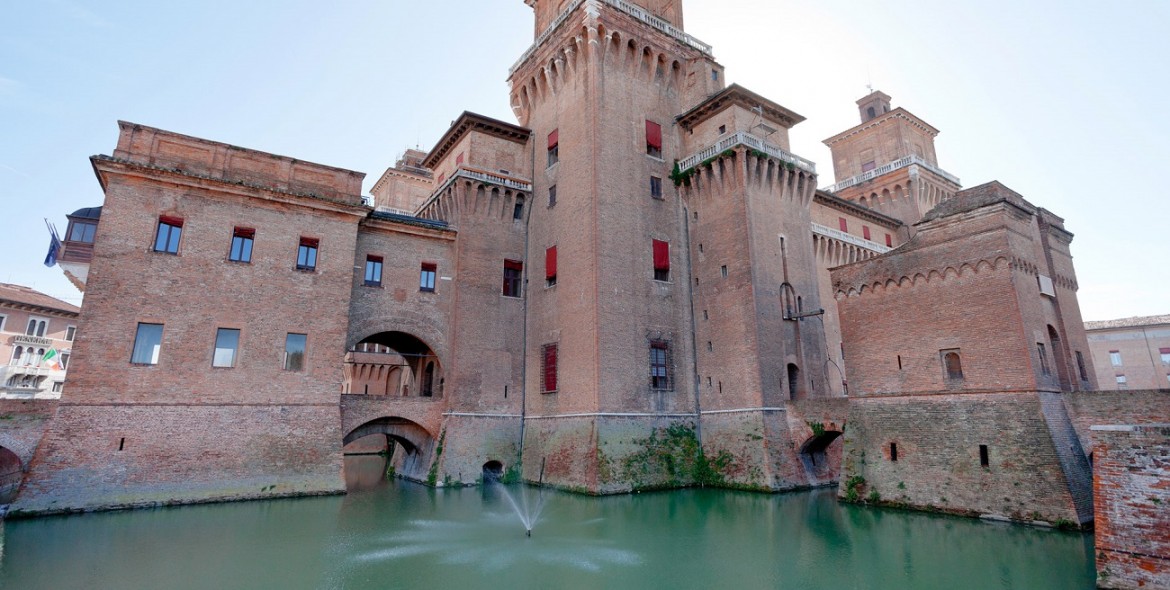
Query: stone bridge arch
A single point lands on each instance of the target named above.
(414, 444)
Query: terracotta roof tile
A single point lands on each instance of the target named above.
(26, 296)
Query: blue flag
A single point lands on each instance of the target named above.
(54, 248)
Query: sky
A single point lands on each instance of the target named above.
(1064, 101)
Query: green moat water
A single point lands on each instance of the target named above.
(402, 535)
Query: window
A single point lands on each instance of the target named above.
(1044, 368)
(870, 165)
(1115, 358)
(952, 363)
(426, 278)
(147, 344)
(554, 148)
(889, 241)
(984, 456)
(170, 229)
(64, 361)
(1164, 352)
(82, 232)
(513, 273)
(714, 75)
(1122, 382)
(656, 187)
(518, 209)
(427, 388)
(722, 129)
(660, 366)
(36, 327)
(552, 195)
(1081, 366)
(16, 354)
(227, 343)
(70, 333)
(723, 270)
(653, 139)
(843, 224)
(661, 260)
(57, 386)
(242, 238)
(550, 266)
(872, 113)
(548, 373)
(307, 254)
(3, 319)
(865, 232)
(459, 159)
(294, 352)
(373, 276)
(893, 451)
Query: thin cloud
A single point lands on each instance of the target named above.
(80, 13)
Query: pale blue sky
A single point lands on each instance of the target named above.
(1063, 101)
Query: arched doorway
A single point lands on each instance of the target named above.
(11, 472)
(820, 461)
(393, 364)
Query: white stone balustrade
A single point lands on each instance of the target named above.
(912, 160)
(756, 143)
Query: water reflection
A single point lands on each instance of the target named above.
(395, 534)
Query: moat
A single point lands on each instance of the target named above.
(395, 534)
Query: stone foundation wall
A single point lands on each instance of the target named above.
(115, 456)
(1131, 484)
(470, 442)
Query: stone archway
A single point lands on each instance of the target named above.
(821, 467)
(414, 441)
(395, 364)
(11, 473)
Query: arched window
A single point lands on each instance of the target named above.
(518, 211)
(953, 364)
(872, 113)
(17, 353)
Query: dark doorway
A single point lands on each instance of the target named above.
(493, 471)
(793, 382)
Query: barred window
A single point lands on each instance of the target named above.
(661, 378)
(548, 368)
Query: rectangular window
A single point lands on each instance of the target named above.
(227, 343)
(661, 260)
(64, 361)
(373, 277)
(865, 232)
(893, 451)
(513, 275)
(548, 373)
(552, 195)
(1081, 366)
(843, 224)
(459, 159)
(3, 319)
(147, 344)
(170, 230)
(307, 254)
(1044, 369)
(866, 167)
(660, 366)
(1164, 352)
(1122, 382)
(242, 244)
(426, 279)
(714, 75)
(82, 232)
(655, 187)
(723, 270)
(554, 148)
(70, 332)
(294, 352)
(550, 266)
(653, 139)
(1115, 358)
(889, 241)
(518, 209)
(984, 456)
(57, 386)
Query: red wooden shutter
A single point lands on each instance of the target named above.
(889, 241)
(554, 139)
(373, 258)
(310, 242)
(654, 135)
(865, 231)
(844, 224)
(244, 232)
(661, 255)
(550, 367)
(514, 265)
(459, 159)
(550, 263)
(174, 221)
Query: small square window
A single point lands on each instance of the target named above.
(722, 129)
(307, 254)
(1115, 358)
(294, 352)
(656, 187)
(147, 344)
(57, 386)
(373, 276)
(426, 281)
(242, 238)
(170, 231)
(227, 344)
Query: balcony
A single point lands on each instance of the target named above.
(751, 141)
(888, 168)
(23, 340)
(847, 238)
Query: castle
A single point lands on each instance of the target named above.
(639, 285)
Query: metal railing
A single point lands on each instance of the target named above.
(626, 7)
(839, 235)
(756, 143)
(912, 160)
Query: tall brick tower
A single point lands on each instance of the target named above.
(888, 162)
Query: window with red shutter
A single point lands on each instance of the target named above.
(865, 231)
(653, 139)
(459, 159)
(661, 260)
(550, 266)
(889, 241)
(513, 277)
(844, 224)
(554, 149)
(548, 373)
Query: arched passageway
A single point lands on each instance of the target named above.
(817, 459)
(410, 443)
(11, 472)
(393, 364)
(493, 471)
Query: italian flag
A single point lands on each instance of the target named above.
(51, 359)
